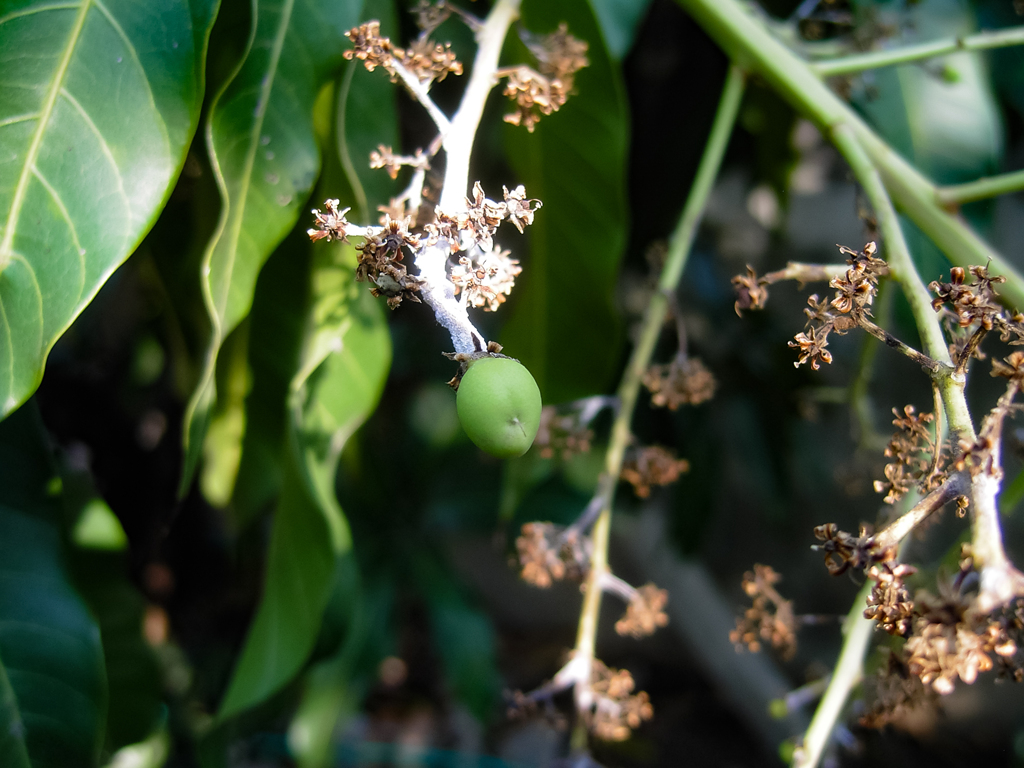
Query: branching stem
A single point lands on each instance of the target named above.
(654, 319)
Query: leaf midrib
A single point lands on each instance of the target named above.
(37, 138)
(250, 157)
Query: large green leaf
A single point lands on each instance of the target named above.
(563, 325)
(265, 155)
(341, 375)
(99, 100)
(52, 682)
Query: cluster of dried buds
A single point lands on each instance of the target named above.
(536, 93)
(916, 456)
(652, 465)
(769, 620)
(604, 697)
(849, 308)
(684, 381)
(425, 60)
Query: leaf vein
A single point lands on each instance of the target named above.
(37, 138)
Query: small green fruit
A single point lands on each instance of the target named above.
(499, 406)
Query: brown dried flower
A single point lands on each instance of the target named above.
(564, 435)
(644, 613)
(370, 47)
(770, 619)
(684, 381)
(384, 157)
(486, 279)
(428, 60)
(751, 291)
(616, 710)
(913, 449)
(813, 346)
(331, 225)
(549, 553)
(650, 466)
(889, 603)
(844, 550)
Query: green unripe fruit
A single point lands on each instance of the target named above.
(499, 406)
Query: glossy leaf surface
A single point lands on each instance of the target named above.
(563, 326)
(52, 684)
(98, 104)
(264, 152)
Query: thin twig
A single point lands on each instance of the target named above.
(848, 65)
(981, 189)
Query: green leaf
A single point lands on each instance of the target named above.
(98, 104)
(564, 326)
(264, 153)
(463, 636)
(52, 684)
(340, 378)
(620, 20)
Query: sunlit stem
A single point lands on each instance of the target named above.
(458, 139)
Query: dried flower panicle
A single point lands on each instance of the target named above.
(769, 620)
(381, 256)
(549, 553)
(850, 306)
(889, 603)
(559, 56)
(426, 60)
(487, 278)
(331, 225)
(645, 612)
(913, 450)
(844, 550)
(652, 465)
(615, 710)
(684, 381)
(562, 435)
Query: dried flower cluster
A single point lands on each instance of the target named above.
(482, 272)
(645, 612)
(770, 619)
(652, 465)
(424, 59)
(559, 57)
(849, 308)
(549, 553)
(384, 157)
(890, 603)
(562, 435)
(751, 291)
(684, 381)
(915, 453)
(615, 710)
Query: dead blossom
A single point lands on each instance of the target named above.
(769, 620)
(889, 603)
(549, 553)
(384, 157)
(487, 279)
(645, 613)
(912, 448)
(537, 93)
(426, 60)
(751, 291)
(616, 710)
(563, 435)
(652, 465)
(684, 381)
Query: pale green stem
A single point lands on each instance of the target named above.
(743, 36)
(981, 189)
(846, 676)
(848, 65)
(629, 388)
